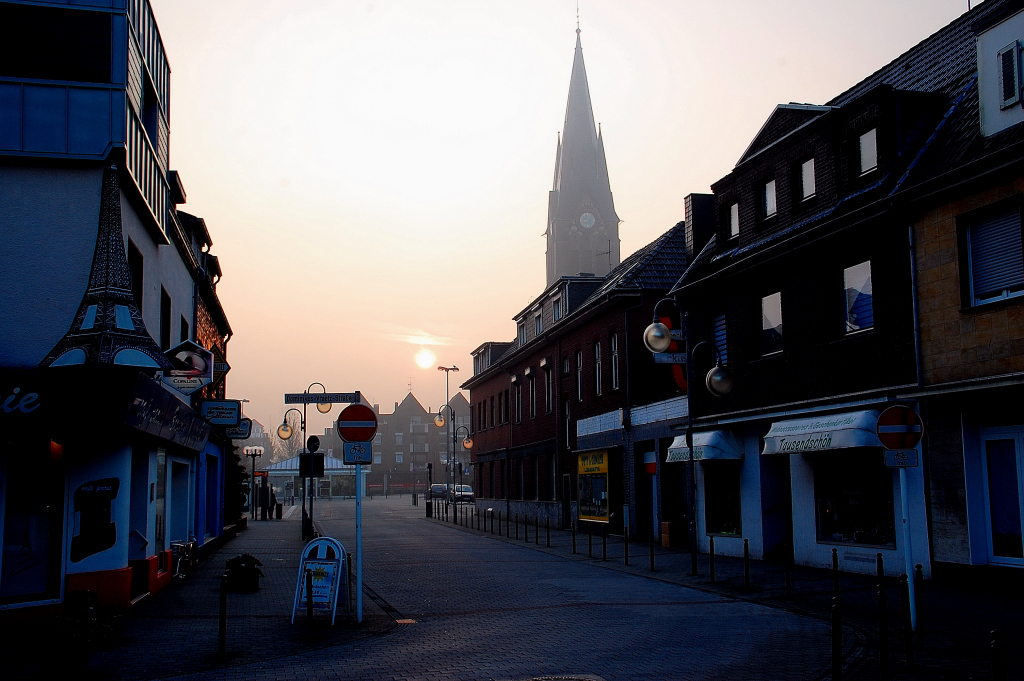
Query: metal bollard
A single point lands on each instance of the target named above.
(526, 528)
(517, 526)
(919, 603)
(789, 572)
(625, 545)
(572, 527)
(604, 542)
(547, 530)
(507, 519)
(348, 562)
(835, 572)
(652, 552)
(590, 540)
(499, 523)
(908, 631)
(998, 656)
(222, 633)
(309, 597)
(536, 530)
(883, 622)
(837, 638)
(746, 564)
(711, 557)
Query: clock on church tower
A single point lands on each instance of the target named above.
(587, 220)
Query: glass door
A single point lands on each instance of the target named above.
(1001, 450)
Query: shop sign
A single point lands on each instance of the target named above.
(155, 411)
(240, 432)
(221, 412)
(593, 462)
(820, 433)
(325, 558)
(193, 367)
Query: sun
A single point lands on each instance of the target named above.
(425, 358)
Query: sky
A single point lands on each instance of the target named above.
(374, 174)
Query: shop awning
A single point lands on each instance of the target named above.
(818, 433)
(707, 445)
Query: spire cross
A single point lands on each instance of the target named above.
(577, 17)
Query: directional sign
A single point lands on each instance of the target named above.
(357, 453)
(357, 423)
(321, 398)
(899, 427)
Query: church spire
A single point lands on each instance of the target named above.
(108, 328)
(581, 214)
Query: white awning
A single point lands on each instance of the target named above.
(818, 433)
(708, 444)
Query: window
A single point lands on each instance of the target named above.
(501, 407)
(399, 458)
(538, 323)
(771, 323)
(135, 267)
(807, 179)
(399, 438)
(568, 422)
(184, 330)
(378, 438)
(506, 407)
(533, 397)
(722, 497)
(55, 44)
(579, 375)
(1009, 75)
(769, 199)
(868, 151)
(734, 220)
(548, 392)
(995, 261)
(522, 333)
(377, 458)
(721, 340)
(859, 312)
(853, 498)
(518, 390)
(556, 309)
(1001, 472)
(597, 367)
(492, 412)
(165, 319)
(615, 361)
(565, 366)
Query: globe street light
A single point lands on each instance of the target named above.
(447, 399)
(252, 452)
(284, 431)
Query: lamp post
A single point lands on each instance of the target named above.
(252, 452)
(658, 338)
(467, 443)
(284, 431)
(447, 399)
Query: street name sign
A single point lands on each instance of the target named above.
(321, 398)
(670, 358)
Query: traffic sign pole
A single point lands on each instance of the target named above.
(359, 544)
(357, 423)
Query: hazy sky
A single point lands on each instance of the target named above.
(375, 174)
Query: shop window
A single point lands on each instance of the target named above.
(859, 308)
(135, 268)
(995, 262)
(1003, 460)
(184, 330)
(771, 323)
(853, 498)
(722, 497)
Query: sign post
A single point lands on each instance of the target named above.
(900, 430)
(357, 424)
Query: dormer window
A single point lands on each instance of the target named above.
(556, 308)
(1009, 75)
(734, 220)
(868, 151)
(538, 323)
(769, 199)
(522, 333)
(807, 179)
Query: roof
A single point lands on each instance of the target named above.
(292, 464)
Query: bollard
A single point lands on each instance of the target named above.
(835, 572)
(746, 564)
(789, 571)
(590, 541)
(604, 542)
(536, 530)
(998, 656)
(517, 526)
(837, 638)
(222, 633)
(711, 557)
(499, 523)
(652, 552)
(572, 527)
(526, 529)
(547, 529)
(908, 631)
(507, 519)
(919, 603)
(309, 597)
(883, 622)
(348, 562)
(625, 545)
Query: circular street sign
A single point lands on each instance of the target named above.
(357, 423)
(312, 444)
(899, 427)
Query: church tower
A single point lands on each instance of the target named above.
(583, 229)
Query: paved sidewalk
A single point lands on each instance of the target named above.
(955, 620)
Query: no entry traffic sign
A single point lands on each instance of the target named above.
(357, 423)
(899, 427)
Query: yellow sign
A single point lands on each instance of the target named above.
(593, 462)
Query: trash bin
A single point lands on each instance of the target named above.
(243, 573)
(279, 509)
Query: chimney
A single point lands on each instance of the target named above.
(700, 222)
(396, 406)
(376, 409)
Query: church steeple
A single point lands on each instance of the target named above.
(583, 228)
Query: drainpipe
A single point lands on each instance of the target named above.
(913, 290)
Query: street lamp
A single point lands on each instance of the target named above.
(284, 431)
(439, 422)
(719, 382)
(252, 452)
(467, 443)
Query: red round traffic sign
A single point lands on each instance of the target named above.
(899, 427)
(357, 423)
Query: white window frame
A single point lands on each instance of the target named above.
(807, 186)
(538, 324)
(734, 220)
(1013, 61)
(868, 147)
(851, 325)
(771, 206)
(1000, 251)
(522, 333)
(1001, 433)
(556, 308)
(615, 361)
(579, 375)
(597, 368)
(764, 321)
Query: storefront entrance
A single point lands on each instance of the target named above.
(1002, 452)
